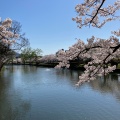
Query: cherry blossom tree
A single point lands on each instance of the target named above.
(48, 59)
(96, 13)
(10, 40)
(100, 51)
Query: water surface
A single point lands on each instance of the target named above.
(36, 93)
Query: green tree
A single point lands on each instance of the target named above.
(30, 55)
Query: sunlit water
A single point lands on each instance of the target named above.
(36, 93)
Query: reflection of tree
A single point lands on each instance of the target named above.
(11, 113)
(109, 84)
(12, 106)
(28, 69)
(72, 75)
(23, 68)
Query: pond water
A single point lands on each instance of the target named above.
(37, 93)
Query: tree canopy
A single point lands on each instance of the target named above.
(11, 39)
(29, 54)
(101, 51)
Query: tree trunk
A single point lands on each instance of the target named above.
(1, 66)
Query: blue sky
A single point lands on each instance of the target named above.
(48, 23)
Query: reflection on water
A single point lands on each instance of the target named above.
(12, 106)
(36, 93)
(110, 84)
(107, 84)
